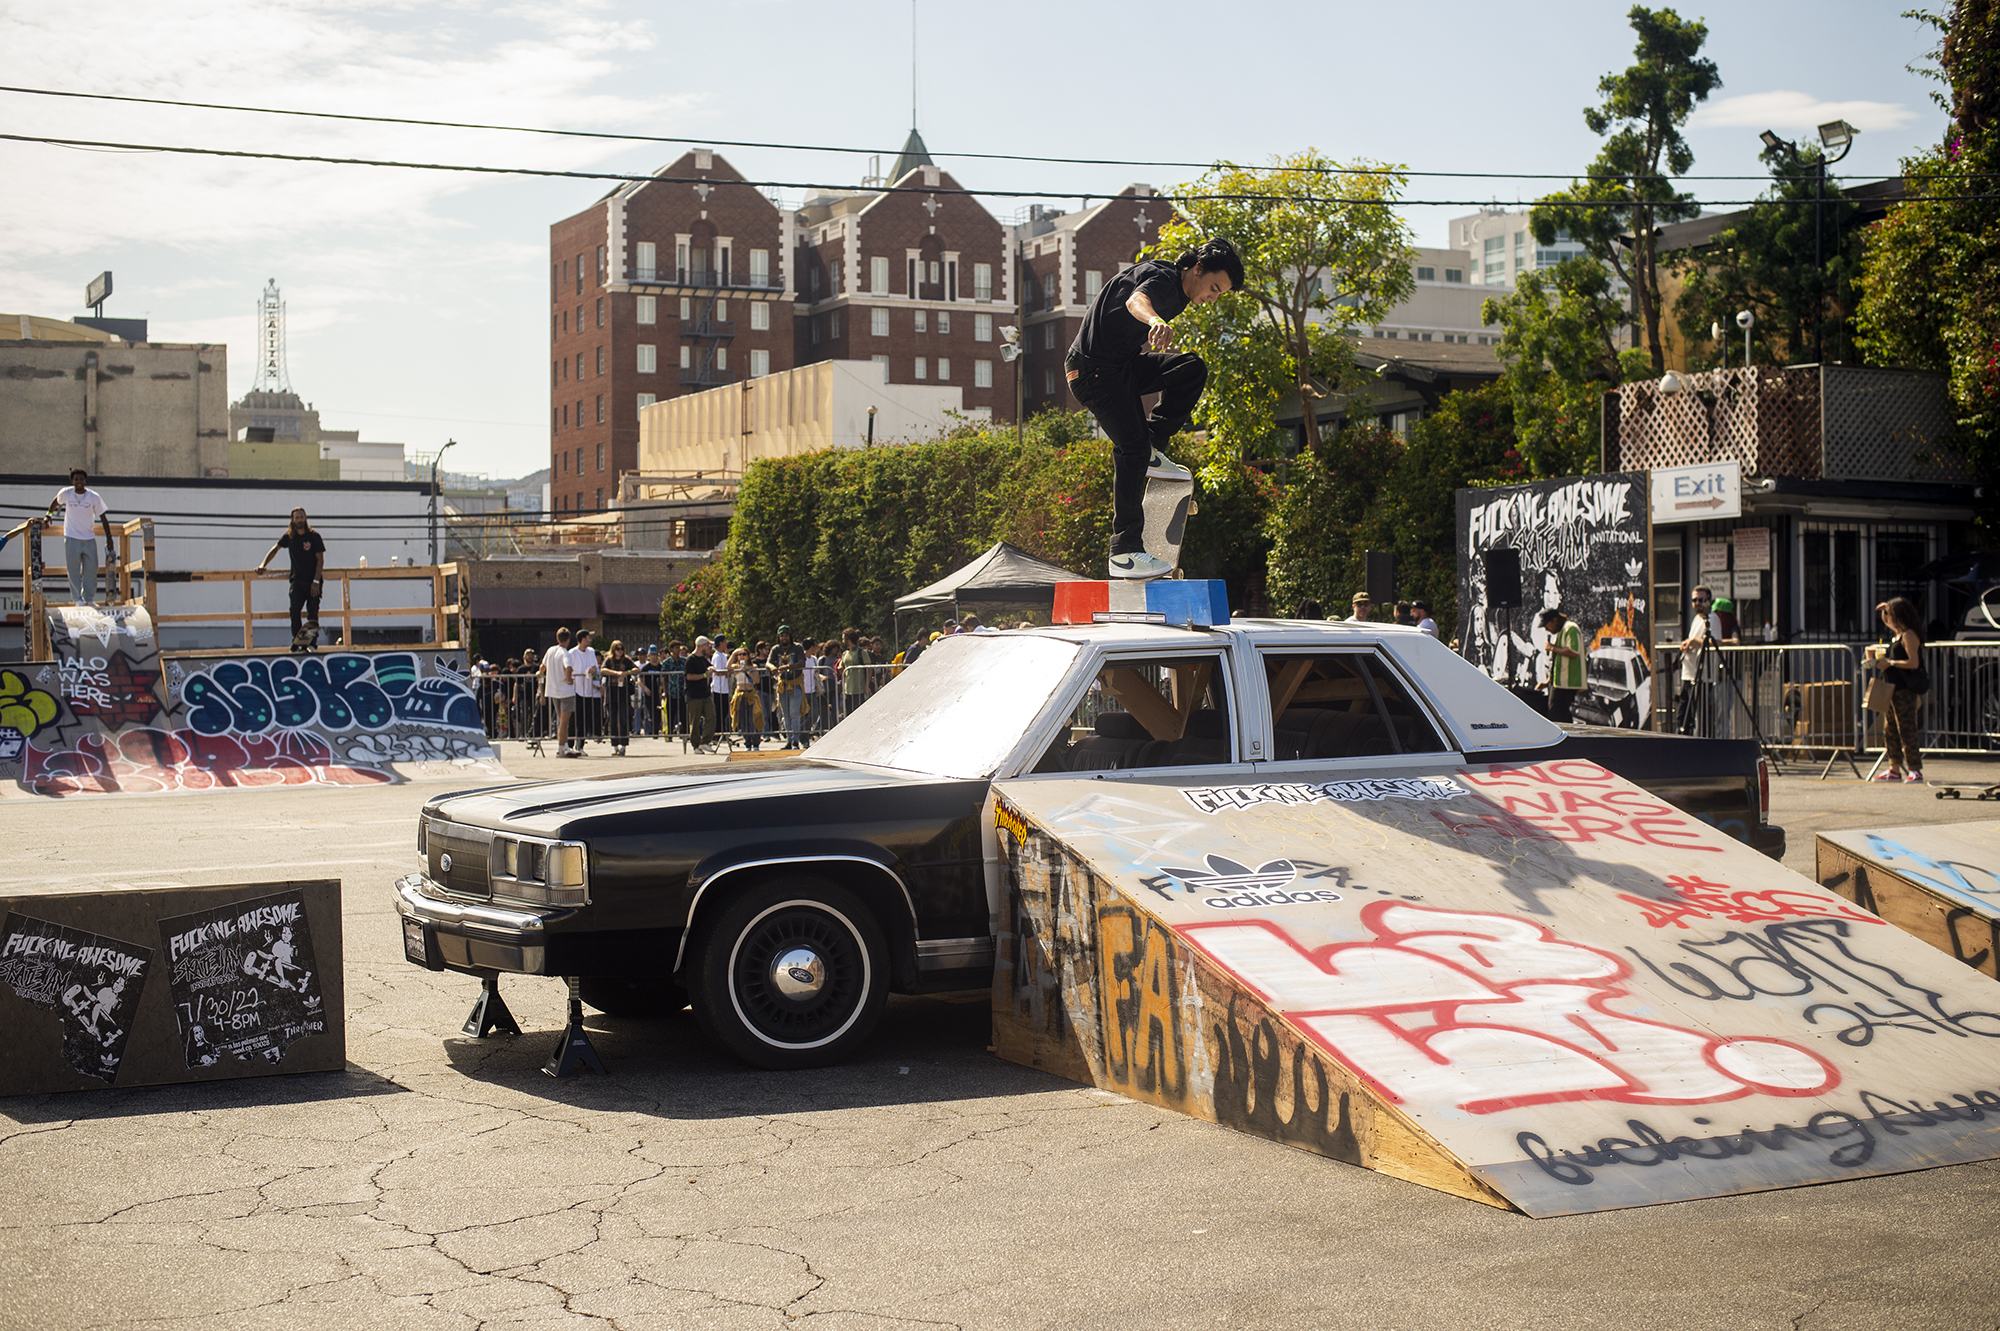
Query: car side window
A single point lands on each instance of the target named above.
(1342, 705)
(1157, 712)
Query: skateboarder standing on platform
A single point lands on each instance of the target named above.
(308, 551)
(1120, 355)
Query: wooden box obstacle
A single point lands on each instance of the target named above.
(1940, 883)
(1532, 985)
(145, 986)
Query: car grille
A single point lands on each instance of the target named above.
(468, 848)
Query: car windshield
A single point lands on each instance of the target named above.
(959, 711)
(1609, 669)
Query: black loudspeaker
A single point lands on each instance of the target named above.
(1503, 579)
(1382, 577)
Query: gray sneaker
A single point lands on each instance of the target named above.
(1160, 467)
(1139, 565)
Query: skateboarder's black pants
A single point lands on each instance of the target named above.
(304, 598)
(1113, 394)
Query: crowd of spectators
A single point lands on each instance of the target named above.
(714, 691)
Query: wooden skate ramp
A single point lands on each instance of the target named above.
(1940, 883)
(1531, 985)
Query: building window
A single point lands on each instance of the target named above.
(944, 321)
(687, 360)
(600, 362)
(1048, 337)
(1093, 282)
(982, 281)
(646, 309)
(944, 369)
(579, 365)
(760, 363)
(760, 268)
(600, 311)
(600, 498)
(1454, 274)
(922, 322)
(722, 358)
(815, 330)
(982, 328)
(883, 361)
(579, 274)
(565, 413)
(579, 425)
(603, 271)
(600, 457)
(649, 359)
(687, 309)
(646, 400)
(648, 253)
(815, 281)
(1427, 274)
(1520, 250)
(923, 368)
(878, 276)
(579, 452)
(913, 276)
(878, 323)
(1049, 290)
(982, 374)
(951, 280)
(1495, 261)
(833, 324)
(600, 410)
(722, 311)
(760, 316)
(1048, 383)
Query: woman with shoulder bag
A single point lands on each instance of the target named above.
(1901, 667)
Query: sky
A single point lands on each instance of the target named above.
(416, 300)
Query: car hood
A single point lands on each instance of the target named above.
(545, 808)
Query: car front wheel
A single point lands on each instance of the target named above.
(791, 974)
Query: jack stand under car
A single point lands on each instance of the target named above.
(573, 1050)
(489, 1010)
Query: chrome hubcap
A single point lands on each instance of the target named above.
(798, 973)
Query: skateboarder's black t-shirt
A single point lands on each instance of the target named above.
(1110, 333)
(306, 548)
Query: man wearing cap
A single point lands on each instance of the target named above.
(82, 507)
(1364, 608)
(788, 667)
(1421, 615)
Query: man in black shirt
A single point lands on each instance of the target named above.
(308, 549)
(1120, 355)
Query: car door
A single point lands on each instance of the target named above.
(1327, 704)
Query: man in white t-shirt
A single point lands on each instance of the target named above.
(560, 690)
(1421, 613)
(589, 689)
(83, 508)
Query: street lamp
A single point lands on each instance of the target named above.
(434, 500)
(871, 427)
(1833, 134)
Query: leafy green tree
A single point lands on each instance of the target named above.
(1318, 524)
(1765, 264)
(1627, 190)
(1930, 283)
(1319, 243)
(1559, 350)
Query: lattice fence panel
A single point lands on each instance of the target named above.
(1890, 425)
(1765, 418)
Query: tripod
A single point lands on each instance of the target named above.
(1698, 702)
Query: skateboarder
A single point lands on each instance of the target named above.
(308, 550)
(1120, 355)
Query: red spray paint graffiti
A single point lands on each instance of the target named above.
(1578, 802)
(151, 761)
(1488, 1013)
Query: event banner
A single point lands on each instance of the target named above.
(1581, 546)
(244, 979)
(92, 984)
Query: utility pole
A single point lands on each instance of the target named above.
(434, 500)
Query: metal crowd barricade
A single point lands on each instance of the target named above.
(1800, 703)
(1961, 713)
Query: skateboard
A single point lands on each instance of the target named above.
(1958, 792)
(1167, 506)
(308, 637)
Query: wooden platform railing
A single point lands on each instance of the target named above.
(138, 583)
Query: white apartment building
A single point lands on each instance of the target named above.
(1443, 308)
(1498, 247)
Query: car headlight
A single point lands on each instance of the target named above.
(555, 873)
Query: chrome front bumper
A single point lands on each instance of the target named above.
(441, 932)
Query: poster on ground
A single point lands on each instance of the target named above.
(245, 980)
(1582, 543)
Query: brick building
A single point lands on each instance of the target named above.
(1064, 259)
(915, 280)
(661, 287)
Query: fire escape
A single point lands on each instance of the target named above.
(707, 336)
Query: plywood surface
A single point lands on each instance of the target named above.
(1536, 983)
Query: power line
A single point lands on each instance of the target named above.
(917, 189)
(805, 147)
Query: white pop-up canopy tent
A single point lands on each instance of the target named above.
(1004, 574)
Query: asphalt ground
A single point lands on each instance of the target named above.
(444, 1182)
